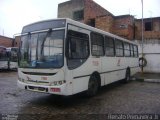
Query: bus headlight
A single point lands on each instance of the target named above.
(56, 83)
(21, 79)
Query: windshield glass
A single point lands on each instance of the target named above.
(42, 50)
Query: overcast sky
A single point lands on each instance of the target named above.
(14, 14)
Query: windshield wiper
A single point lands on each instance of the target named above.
(29, 50)
(47, 35)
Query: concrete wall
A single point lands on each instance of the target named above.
(91, 9)
(66, 9)
(151, 52)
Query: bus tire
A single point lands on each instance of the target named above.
(142, 62)
(92, 86)
(128, 75)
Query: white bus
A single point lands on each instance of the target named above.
(8, 58)
(65, 57)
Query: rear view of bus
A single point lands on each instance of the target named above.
(13, 58)
(3, 58)
(8, 58)
(41, 59)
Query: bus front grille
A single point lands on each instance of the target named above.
(41, 89)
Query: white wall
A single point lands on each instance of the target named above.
(151, 50)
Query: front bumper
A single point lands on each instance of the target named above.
(58, 90)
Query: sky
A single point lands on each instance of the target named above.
(14, 14)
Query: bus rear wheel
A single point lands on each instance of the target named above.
(92, 87)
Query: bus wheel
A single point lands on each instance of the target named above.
(92, 86)
(128, 75)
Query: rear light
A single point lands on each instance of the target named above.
(55, 89)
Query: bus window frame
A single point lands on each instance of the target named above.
(118, 40)
(127, 49)
(67, 51)
(91, 37)
(131, 51)
(105, 40)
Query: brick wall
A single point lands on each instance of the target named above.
(153, 34)
(124, 26)
(16, 42)
(93, 10)
(5, 41)
(105, 23)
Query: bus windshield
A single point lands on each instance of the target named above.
(42, 50)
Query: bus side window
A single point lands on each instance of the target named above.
(132, 51)
(77, 50)
(109, 46)
(97, 42)
(119, 48)
(126, 49)
(135, 51)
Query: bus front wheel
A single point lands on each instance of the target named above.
(92, 86)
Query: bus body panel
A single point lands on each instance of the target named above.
(82, 74)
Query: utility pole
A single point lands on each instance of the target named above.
(3, 32)
(142, 38)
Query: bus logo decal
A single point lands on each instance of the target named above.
(95, 63)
